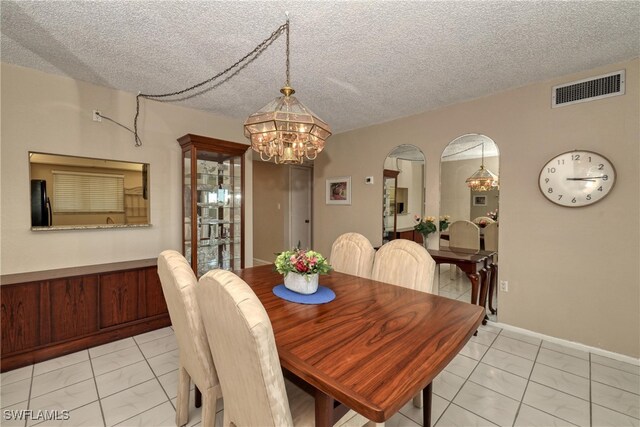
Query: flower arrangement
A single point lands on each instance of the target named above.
(426, 225)
(301, 262)
(493, 214)
(444, 222)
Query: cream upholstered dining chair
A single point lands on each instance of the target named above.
(405, 263)
(463, 234)
(245, 353)
(352, 253)
(491, 244)
(195, 360)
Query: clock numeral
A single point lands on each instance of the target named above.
(588, 196)
(589, 159)
(551, 170)
(573, 200)
(561, 161)
(575, 157)
(600, 188)
(559, 196)
(546, 180)
(600, 166)
(605, 177)
(550, 190)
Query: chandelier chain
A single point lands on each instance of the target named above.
(258, 49)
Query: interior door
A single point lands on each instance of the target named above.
(300, 207)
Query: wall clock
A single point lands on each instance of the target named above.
(577, 178)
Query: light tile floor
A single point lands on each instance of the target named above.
(499, 378)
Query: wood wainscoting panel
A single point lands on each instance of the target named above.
(118, 298)
(20, 308)
(155, 303)
(73, 307)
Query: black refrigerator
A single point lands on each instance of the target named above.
(40, 204)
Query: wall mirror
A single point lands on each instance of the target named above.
(80, 192)
(403, 191)
(460, 160)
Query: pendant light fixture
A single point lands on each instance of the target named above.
(483, 179)
(284, 130)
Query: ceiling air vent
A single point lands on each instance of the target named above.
(590, 89)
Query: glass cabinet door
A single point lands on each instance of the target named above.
(213, 211)
(389, 214)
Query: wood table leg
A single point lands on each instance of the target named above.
(485, 277)
(324, 409)
(475, 281)
(426, 406)
(198, 397)
(492, 288)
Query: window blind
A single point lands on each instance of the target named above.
(87, 192)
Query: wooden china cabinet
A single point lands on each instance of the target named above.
(213, 203)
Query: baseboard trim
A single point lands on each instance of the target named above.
(571, 344)
(257, 261)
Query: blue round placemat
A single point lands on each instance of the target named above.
(321, 296)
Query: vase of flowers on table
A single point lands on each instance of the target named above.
(301, 269)
(425, 226)
(444, 222)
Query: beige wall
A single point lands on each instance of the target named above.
(271, 199)
(52, 114)
(573, 273)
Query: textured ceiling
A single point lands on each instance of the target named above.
(353, 63)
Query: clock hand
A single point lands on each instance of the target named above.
(591, 178)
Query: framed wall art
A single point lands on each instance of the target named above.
(339, 191)
(479, 200)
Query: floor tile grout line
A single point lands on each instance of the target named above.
(132, 363)
(136, 415)
(114, 351)
(562, 391)
(95, 383)
(33, 368)
(615, 410)
(613, 367)
(70, 384)
(131, 386)
(526, 386)
(544, 385)
(156, 376)
(56, 369)
(461, 387)
(564, 370)
(471, 412)
(612, 386)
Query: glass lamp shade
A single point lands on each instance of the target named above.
(286, 131)
(482, 180)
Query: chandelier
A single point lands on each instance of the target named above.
(285, 130)
(482, 179)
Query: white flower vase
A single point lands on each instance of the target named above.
(300, 283)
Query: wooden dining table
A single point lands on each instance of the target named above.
(371, 349)
(476, 264)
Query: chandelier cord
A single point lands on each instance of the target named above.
(287, 29)
(467, 149)
(258, 49)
